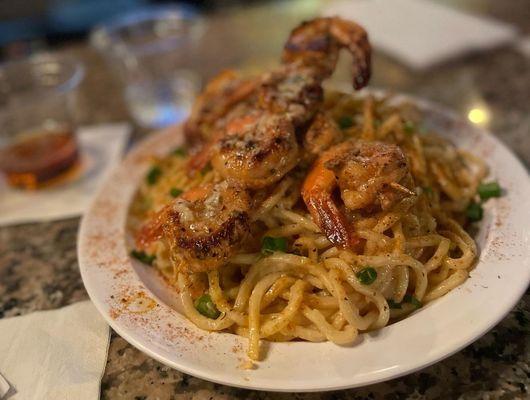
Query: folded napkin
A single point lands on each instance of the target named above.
(420, 33)
(58, 354)
(101, 149)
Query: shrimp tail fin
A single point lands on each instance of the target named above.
(330, 220)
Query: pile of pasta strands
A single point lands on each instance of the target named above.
(310, 290)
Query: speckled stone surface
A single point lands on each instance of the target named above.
(38, 267)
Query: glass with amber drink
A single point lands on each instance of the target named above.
(38, 101)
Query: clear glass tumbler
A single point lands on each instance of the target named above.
(38, 101)
(150, 52)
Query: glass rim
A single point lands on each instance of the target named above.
(71, 81)
(110, 30)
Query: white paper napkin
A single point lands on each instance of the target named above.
(101, 148)
(58, 354)
(420, 33)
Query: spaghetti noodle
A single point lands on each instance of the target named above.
(301, 286)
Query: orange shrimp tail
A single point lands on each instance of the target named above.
(317, 43)
(151, 231)
(317, 192)
(327, 216)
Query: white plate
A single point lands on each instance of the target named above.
(144, 310)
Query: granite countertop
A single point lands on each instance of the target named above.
(38, 266)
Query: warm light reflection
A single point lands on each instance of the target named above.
(478, 115)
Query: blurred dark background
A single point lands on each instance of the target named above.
(30, 25)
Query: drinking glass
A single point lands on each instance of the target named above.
(151, 51)
(38, 101)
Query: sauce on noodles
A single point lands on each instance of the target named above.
(288, 281)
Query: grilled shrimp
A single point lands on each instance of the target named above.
(252, 131)
(203, 227)
(371, 176)
(293, 90)
(257, 149)
(287, 100)
(316, 43)
(221, 95)
(321, 135)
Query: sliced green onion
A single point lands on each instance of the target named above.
(175, 192)
(271, 244)
(345, 122)
(474, 212)
(409, 127)
(367, 275)
(180, 152)
(206, 307)
(143, 257)
(206, 169)
(488, 190)
(412, 300)
(393, 305)
(153, 175)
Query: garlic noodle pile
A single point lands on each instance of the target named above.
(289, 282)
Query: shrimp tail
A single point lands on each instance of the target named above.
(317, 43)
(329, 219)
(317, 192)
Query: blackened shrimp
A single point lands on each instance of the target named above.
(203, 227)
(371, 176)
